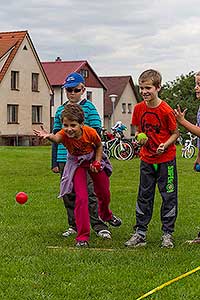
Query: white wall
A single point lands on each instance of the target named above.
(24, 62)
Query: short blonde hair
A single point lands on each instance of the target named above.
(152, 75)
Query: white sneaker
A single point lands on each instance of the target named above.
(167, 241)
(104, 234)
(69, 232)
(136, 241)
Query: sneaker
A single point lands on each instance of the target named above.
(115, 221)
(104, 234)
(82, 244)
(136, 241)
(69, 232)
(167, 241)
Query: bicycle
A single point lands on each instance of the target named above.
(115, 146)
(136, 147)
(188, 149)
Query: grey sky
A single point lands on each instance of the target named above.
(117, 37)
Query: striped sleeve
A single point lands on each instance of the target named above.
(92, 117)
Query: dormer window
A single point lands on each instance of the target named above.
(84, 73)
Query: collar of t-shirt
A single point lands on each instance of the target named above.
(81, 102)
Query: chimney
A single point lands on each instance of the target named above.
(58, 58)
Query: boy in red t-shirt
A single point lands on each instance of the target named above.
(85, 154)
(156, 119)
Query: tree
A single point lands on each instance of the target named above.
(181, 91)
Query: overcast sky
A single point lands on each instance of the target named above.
(117, 37)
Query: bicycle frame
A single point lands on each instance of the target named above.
(110, 145)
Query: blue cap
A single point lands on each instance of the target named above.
(73, 79)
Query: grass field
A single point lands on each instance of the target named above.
(37, 263)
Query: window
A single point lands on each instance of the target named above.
(12, 114)
(89, 95)
(36, 114)
(84, 73)
(35, 80)
(132, 129)
(14, 80)
(129, 108)
(123, 108)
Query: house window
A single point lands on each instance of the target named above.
(14, 80)
(36, 114)
(132, 129)
(84, 73)
(12, 113)
(123, 108)
(129, 108)
(89, 95)
(35, 80)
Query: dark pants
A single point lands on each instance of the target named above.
(165, 175)
(69, 203)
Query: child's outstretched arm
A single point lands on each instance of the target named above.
(56, 138)
(180, 116)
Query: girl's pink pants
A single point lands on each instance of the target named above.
(102, 189)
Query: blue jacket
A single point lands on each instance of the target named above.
(92, 119)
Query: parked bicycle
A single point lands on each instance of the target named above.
(136, 147)
(114, 144)
(188, 149)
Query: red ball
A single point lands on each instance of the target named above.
(97, 165)
(21, 197)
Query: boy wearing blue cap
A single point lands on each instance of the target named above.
(75, 87)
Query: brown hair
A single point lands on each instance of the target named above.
(152, 75)
(73, 112)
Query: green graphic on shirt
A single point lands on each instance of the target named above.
(155, 167)
(170, 179)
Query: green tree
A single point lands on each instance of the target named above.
(181, 91)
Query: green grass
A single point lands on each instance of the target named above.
(37, 263)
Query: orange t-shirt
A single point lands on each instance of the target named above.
(157, 123)
(84, 145)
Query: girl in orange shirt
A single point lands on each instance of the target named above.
(85, 155)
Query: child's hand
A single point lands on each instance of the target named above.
(55, 170)
(161, 148)
(41, 133)
(141, 138)
(95, 166)
(180, 115)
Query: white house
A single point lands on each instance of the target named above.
(25, 91)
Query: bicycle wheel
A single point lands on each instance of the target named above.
(189, 152)
(123, 151)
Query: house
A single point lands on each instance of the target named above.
(120, 99)
(25, 91)
(57, 71)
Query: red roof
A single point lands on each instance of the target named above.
(56, 72)
(8, 41)
(115, 86)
